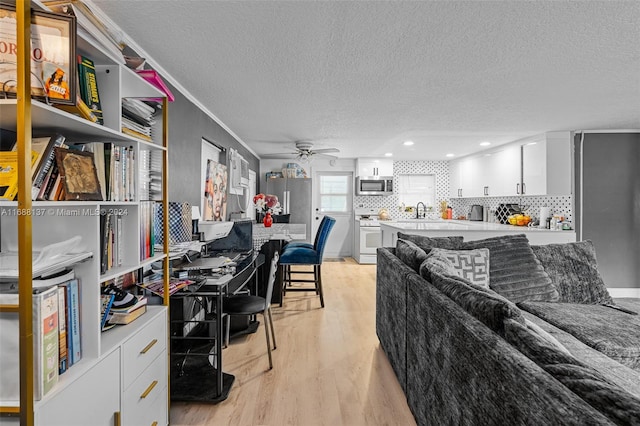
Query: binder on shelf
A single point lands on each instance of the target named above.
(45, 338)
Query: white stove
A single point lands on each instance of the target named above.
(367, 235)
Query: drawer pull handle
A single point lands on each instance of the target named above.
(116, 419)
(154, 424)
(149, 389)
(149, 346)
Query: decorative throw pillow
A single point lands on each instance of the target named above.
(470, 264)
(427, 243)
(438, 263)
(515, 272)
(573, 269)
(410, 254)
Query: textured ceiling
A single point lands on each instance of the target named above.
(364, 76)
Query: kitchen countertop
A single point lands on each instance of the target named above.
(462, 225)
(469, 230)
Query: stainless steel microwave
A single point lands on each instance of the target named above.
(374, 185)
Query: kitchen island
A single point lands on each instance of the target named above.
(470, 230)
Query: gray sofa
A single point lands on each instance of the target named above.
(466, 355)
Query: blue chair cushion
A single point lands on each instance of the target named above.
(300, 256)
(298, 244)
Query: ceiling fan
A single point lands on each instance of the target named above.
(304, 152)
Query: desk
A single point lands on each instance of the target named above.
(269, 240)
(193, 376)
(277, 231)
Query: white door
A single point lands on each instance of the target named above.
(333, 196)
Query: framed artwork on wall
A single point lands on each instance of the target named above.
(215, 192)
(53, 52)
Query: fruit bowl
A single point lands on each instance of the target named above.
(519, 219)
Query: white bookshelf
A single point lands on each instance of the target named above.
(105, 355)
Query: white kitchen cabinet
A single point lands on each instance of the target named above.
(504, 169)
(374, 167)
(547, 165)
(536, 166)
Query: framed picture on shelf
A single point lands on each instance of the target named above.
(78, 175)
(53, 52)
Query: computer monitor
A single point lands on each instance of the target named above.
(239, 240)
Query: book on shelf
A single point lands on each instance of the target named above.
(38, 148)
(45, 339)
(106, 302)
(62, 330)
(81, 109)
(9, 173)
(124, 318)
(74, 348)
(47, 162)
(89, 86)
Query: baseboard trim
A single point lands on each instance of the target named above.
(624, 292)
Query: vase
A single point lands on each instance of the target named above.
(268, 220)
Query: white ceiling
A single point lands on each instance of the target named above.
(364, 76)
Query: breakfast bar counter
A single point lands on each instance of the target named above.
(470, 230)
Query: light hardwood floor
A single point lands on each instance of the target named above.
(329, 368)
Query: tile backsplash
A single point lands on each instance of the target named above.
(560, 204)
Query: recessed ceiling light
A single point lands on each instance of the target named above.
(388, 154)
(450, 155)
(485, 143)
(407, 143)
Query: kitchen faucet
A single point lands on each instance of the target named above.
(424, 208)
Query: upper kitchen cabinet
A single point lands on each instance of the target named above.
(374, 167)
(547, 165)
(533, 166)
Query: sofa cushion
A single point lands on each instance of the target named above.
(410, 254)
(470, 264)
(614, 402)
(427, 243)
(482, 303)
(515, 272)
(573, 269)
(614, 333)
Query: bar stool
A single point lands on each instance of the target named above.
(303, 255)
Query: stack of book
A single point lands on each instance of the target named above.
(127, 315)
(137, 119)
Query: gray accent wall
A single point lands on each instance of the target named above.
(608, 203)
(188, 124)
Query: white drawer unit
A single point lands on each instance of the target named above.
(140, 350)
(141, 400)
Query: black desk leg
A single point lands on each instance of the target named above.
(219, 344)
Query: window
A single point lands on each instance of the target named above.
(415, 188)
(334, 193)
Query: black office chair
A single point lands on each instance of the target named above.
(252, 305)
